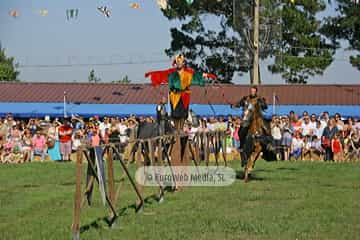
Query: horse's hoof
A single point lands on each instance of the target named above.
(161, 199)
(76, 236)
(140, 208)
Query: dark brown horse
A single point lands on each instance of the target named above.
(255, 137)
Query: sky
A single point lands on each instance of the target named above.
(130, 42)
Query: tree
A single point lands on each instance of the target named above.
(302, 51)
(297, 48)
(124, 80)
(92, 78)
(346, 26)
(8, 70)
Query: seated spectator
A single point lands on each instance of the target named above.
(354, 148)
(27, 145)
(297, 145)
(39, 146)
(7, 149)
(306, 154)
(316, 150)
(16, 156)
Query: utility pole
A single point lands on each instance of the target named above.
(256, 70)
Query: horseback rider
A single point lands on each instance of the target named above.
(250, 101)
(162, 115)
(252, 132)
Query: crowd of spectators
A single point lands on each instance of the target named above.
(299, 138)
(312, 137)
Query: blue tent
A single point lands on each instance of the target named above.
(56, 109)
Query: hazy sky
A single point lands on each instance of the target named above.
(132, 40)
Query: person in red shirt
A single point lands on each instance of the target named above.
(65, 133)
(336, 148)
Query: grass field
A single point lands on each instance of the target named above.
(287, 200)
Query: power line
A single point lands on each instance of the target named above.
(154, 61)
(90, 64)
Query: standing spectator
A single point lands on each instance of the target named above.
(307, 127)
(79, 122)
(339, 123)
(313, 121)
(65, 133)
(318, 130)
(351, 124)
(276, 133)
(286, 137)
(357, 124)
(295, 123)
(32, 126)
(39, 144)
(3, 133)
(221, 125)
(123, 131)
(104, 125)
(324, 119)
(329, 132)
(336, 148)
(95, 138)
(53, 142)
(235, 134)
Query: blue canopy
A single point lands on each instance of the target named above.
(56, 109)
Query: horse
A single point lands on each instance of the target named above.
(255, 138)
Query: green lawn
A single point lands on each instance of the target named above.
(288, 200)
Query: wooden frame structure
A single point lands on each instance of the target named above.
(172, 150)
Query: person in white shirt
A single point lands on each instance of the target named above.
(306, 147)
(123, 131)
(316, 149)
(313, 120)
(307, 127)
(318, 130)
(297, 145)
(104, 125)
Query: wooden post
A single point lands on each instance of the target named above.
(256, 72)
(110, 171)
(138, 155)
(206, 148)
(77, 202)
(223, 139)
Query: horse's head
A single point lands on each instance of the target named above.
(248, 113)
(252, 116)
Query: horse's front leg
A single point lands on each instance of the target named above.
(251, 161)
